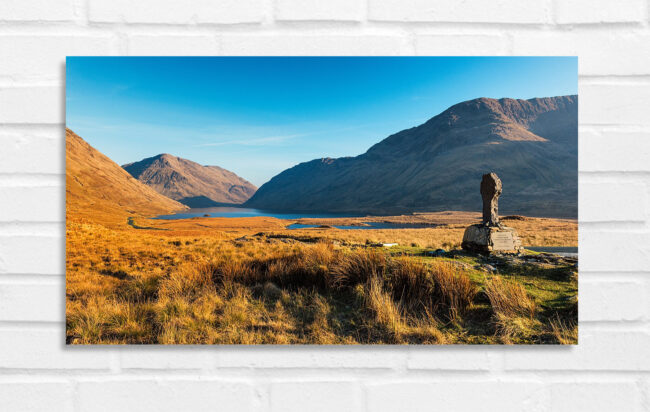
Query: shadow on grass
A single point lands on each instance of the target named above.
(117, 274)
(135, 226)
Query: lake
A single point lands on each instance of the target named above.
(247, 212)
(371, 225)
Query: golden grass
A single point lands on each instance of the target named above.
(565, 333)
(448, 235)
(509, 299)
(514, 311)
(197, 282)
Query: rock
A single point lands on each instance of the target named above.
(491, 236)
(485, 239)
(437, 252)
(489, 268)
(491, 189)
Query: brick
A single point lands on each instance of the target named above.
(620, 200)
(165, 395)
(598, 350)
(471, 11)
(339, 10)
(311, 357)
(614, 103)
(319, 396)
(292, 44)
(595, 396)
(45, 349)
(28, 151)
(165, 357)
(36, 10)
(32, 302)
(460, 44)
(613, 251)
(611, 151)
(449, 358)
(599, 11)
(26, 204)
(43, 255)
(36, 396)
(611, 301)
(180, 45)
(600, 52)
(173, 12)
(45, 105)
(43, 57)
(452, 395)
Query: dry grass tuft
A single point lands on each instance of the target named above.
(565, 333)
(514, 310)
(387, 312)
(509, 299)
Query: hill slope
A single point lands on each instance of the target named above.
(98, 189)
(191, 183)
(531, 144)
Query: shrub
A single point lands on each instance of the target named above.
(358, 267)
(454, 288)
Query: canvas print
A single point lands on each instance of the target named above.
(321, 200)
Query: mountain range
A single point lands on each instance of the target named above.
(191, 183)
(531, 144)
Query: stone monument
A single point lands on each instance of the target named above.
(490, 235)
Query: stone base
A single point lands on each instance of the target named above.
(487, 239)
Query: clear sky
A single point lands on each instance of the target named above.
(257, 116)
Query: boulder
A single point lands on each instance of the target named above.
(486, 239)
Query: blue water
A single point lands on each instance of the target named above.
(245, 212)
(371, 225)
(567, 251)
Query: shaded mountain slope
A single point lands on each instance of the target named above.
(530, 144)
(98, 189)
(191, 183)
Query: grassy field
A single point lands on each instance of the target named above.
(251, 281)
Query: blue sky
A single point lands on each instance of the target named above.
(257, 116)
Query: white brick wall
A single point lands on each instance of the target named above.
(608, 371)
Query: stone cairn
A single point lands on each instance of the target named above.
(490, 235)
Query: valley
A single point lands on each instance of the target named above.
(380, 266)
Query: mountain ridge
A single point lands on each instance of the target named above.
(531, 144)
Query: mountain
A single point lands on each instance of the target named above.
(100, 190)
(191, 183)
(531, 144)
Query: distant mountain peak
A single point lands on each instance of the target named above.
(189, 182)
